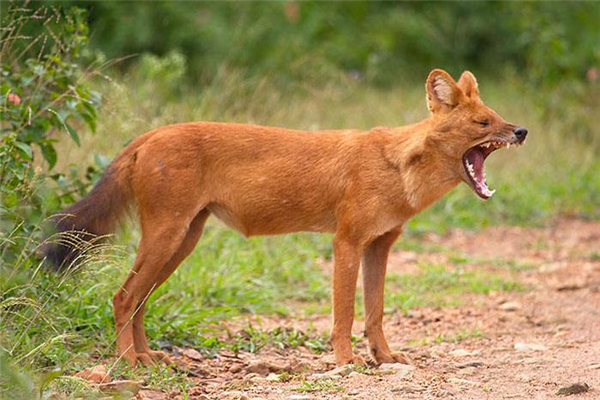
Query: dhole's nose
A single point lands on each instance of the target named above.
(520, 132)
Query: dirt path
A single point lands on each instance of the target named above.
(522, 345)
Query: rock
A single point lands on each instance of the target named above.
(191, 353)
(462, 382)
(263, 368)
(152, 395)
(121, 386)
(273, 377)
(408, 389)
(510, 306)
(97, 374)
(235, 368)
(250, 376)
(474, 364)
(342, 370)
(397, 369)
(530, 347)
(573, 389)
(464, 353)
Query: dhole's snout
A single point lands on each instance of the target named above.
(520, 133)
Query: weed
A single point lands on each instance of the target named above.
(320, 385)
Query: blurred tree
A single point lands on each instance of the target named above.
(382, 41)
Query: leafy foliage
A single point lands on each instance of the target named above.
(44, 94)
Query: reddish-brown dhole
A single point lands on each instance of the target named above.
(360, 185)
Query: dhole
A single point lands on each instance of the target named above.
(360, 185)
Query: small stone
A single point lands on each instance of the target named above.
(573, 389)
(510, 306)
(273, 377)
(408, 389)
(594, 366)
(235, 368)
(299, 397)
(530, 347)
(192, 353)
(468, 364)
(399, 370)
(464, 353)
(324, 376)
(121, 386)
(263, 368)
(251, 376)
(96, 374)
(342, 370)
(462, 382)
(152, 395)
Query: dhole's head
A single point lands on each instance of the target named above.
(466, 130)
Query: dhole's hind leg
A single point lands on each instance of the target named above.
(161, 239)
(186, 247)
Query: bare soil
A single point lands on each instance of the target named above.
(522, 345)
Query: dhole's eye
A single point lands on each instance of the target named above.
(484, 122)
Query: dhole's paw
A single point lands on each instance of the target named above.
(160, 356)
(388, 358)
(356, 360)
(133, 359)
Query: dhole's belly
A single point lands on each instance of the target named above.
(270, 218)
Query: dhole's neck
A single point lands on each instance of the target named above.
(427, 173)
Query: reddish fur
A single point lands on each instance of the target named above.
(362, 186)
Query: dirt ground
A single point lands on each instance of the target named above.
(531, 344)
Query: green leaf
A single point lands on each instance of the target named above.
(67, 127)
(73, 134)
(26, 149)
(49, 154)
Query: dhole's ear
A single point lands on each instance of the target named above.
(443, 94)
(468, 84)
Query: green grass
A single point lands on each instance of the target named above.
(50, 323)
(320, 385)
(441, 286)
(455, 337)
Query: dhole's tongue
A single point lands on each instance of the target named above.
(474, 159)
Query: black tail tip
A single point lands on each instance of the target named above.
(59, 256)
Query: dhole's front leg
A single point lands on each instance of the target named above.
(347, 262)
(374, 268)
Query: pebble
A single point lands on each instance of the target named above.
(573, 389)
(152, 395)
(464, 353)
(121, 386)
(235, 368)
(397, 369)
(530, 347)
(299, 397)
(594, 366)
(474, 364)
(96, 374)
(273, 377)
(462, 382)
(191, 353)
(510, 306)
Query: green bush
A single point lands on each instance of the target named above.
(44, 94)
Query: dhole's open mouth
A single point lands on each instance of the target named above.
(473, 162)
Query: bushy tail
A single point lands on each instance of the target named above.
(96, 215)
